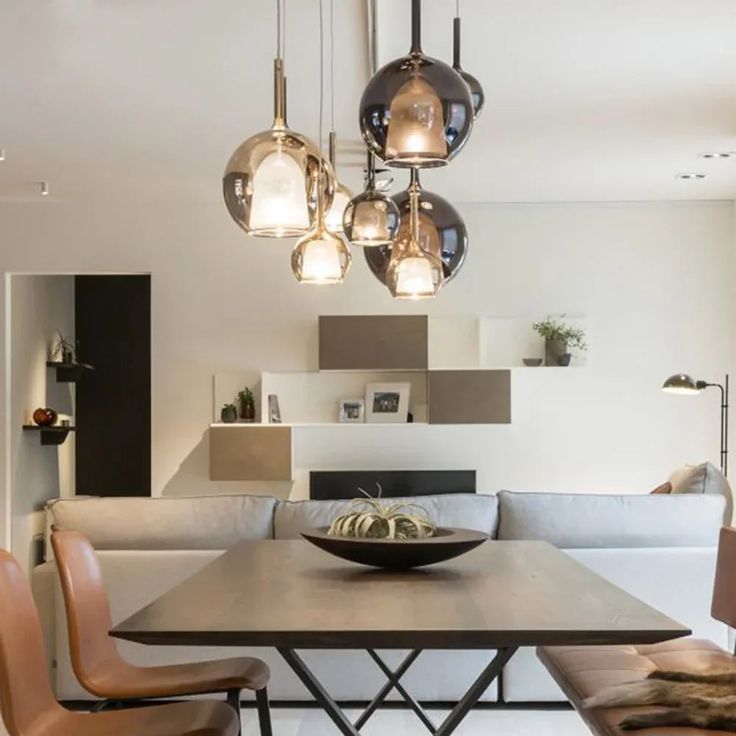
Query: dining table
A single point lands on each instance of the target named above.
(291, 596)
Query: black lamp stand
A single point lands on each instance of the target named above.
(724, 418)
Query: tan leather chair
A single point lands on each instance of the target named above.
(28, 705)
(103, 672)
(582, 672)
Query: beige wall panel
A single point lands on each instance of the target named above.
(469, 397)
(250, 453)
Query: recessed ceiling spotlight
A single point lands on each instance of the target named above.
(2, 154)
(718, 154)
(691, 175)
(45, 189)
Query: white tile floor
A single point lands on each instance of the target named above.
(312, 722)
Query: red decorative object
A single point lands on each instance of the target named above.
(45, 417)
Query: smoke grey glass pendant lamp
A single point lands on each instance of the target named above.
(271, 182)
(476, 91)
(413, 273)
(371, 218)
(416, 111)
(442, 233)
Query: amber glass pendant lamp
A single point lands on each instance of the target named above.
(416, 111)
(412, 272)
(274, 179)
(321, 256)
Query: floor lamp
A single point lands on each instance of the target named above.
(681, 383)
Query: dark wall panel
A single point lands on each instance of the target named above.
(113, 407)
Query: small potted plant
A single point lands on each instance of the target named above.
(247, 405)
(559, 337)
(63, 350)
(229, 414)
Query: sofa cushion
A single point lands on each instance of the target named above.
(574, 520)
(703, 478)
(191, 522)
(466, 510)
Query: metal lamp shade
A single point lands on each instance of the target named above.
(476, 91)
(680, 383)
(416, 112)
(442, 233)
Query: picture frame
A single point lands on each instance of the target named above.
(351, 411)
(274, 412)
(387, 403)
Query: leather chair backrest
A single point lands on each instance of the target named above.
(87, 607)
(26, 698)
(723, 607)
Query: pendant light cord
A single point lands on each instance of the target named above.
(321, 75)
(332, 64)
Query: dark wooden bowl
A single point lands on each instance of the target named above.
(398, 554)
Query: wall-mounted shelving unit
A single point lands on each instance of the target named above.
(69, 372)
(53, 435)
(460, 370)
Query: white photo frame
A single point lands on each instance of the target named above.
(387, 403)
(351, 411)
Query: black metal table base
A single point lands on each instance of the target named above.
(348, 728)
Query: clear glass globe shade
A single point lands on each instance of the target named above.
(320, 258)
(334, 216)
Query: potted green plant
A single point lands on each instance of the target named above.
(229, 414)
(247, 405)
(559, 337)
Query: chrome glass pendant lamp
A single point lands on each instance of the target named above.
(442, 233)
(371, 218)
(416, 111)
(274, 179)
(476, 91)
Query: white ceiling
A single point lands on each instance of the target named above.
(586, 99)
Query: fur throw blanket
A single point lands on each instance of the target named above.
(699, 700)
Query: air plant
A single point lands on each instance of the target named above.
(368, 518)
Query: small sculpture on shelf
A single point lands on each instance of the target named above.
(247, 405)
(45, 417)
(559, 337)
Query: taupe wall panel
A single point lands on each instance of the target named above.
(469, 397)
(387, 342)
(250, 453)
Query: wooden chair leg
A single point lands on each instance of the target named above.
(233, 699)
(264, 712)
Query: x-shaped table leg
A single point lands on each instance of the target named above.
(448, 726)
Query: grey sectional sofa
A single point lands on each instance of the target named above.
(660, 548)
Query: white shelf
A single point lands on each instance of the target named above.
(247, 425)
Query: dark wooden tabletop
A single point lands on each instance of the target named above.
(290, 594)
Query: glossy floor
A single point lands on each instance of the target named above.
(312, 722)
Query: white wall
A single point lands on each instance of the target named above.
(654, 281)
(40, 306)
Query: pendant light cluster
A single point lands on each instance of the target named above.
(416, 112)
